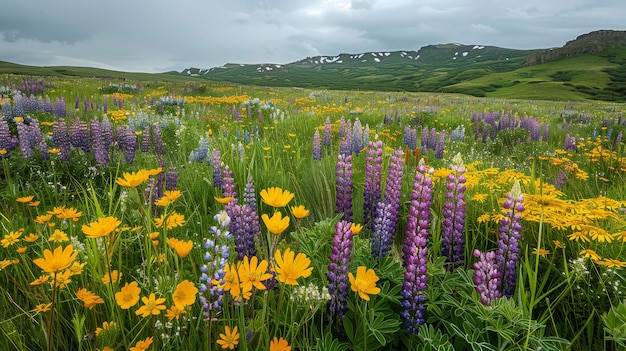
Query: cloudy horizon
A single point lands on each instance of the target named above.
(160, 36)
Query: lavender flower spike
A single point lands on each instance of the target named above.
(453, 224)
(487, 277)
(338, 271)
(415, 250)
(343, 196)
(509, 237)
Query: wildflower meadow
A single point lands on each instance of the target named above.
(198, 216)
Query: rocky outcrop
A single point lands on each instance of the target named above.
(585, 44)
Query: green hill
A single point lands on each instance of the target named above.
(591, 67)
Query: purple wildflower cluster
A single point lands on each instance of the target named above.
(386, 220)
(415, 250)
(410, 137)
(327, 132)
(216, 163)
(495, 272)
(338, 271)
(453, 224)
(245, 228)
(317, 146)
(371, 190)
(488, 124)
(216, 256)
(344, 185)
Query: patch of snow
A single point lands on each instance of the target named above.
(457, 44)
(478, 47)
(278, 66)
(454, 58)
(507, 58)
(363, 60)
(465, 53)
(374, 54)
(340, 61)
(387, 53)
(403, 53)
(456, 53)
(268, 68)
(360, 55)
(376, 59)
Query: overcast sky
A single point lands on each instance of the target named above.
(159, 36)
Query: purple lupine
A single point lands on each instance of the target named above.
(216, 256)
(317, 146)
(249, 193)
(432, 140)
(171, 179)
(440, 145)
(357, 137)
(228, 184)
(385, 227)
(245, 228)
(157, 140)
(509, 237)
(371, 188)
(79, 135)
(453, 224)
(425, 142)
(145, 139)
(327, 132)
(18, 107)
(344, 184)
(342, 127)
(216, 163)
(101, 152)
(415, 250)
(106, 127)
(8, 142)
(487, 277)
(338, 272)
(570, 143)
(618, 140)
(60, 108)
(127, 141)
(7, 113)
(61, 139)
(23, 133)
(105, 105)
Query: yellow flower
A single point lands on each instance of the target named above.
(56, 261)
(142, 345)
(88, 298)
(3, 152)
(611, 263)
(76, 268)
(578, 236)
(182, 248)
(355, 228)
(174, 312)
(289, 268)
(169, 196)
(229, 339)
(42, 307)
(479, 197)
(128, 296)
(589, 253)
(105, 326)
(600, 235)
(58, 236)
(69, 213)
(11, 238)
(111, 278)
(21, 249)
(25, 199)
(558, 244)
(101, 227)
(34, 203)
(151, 306)
(43, 219)
(541, 252)
(62, 279)
(133, 179)
(172, 221)
(41, 280)
(223, 200)
(31, 238)
(185, 294)
(364, 283)
(299, 211)
(279, 345)
(276, 197)
(54, 150)
(277, 224)
(5, 263)
(252, 273)
(483, 218)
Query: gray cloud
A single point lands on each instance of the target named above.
(159, 35)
